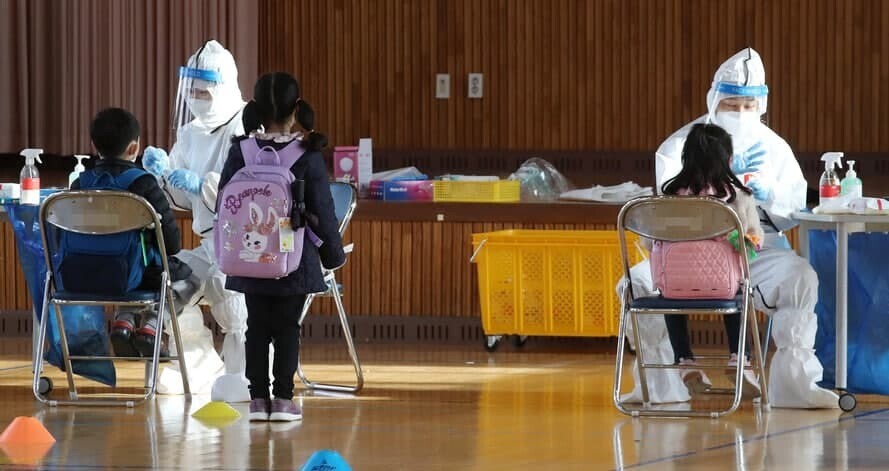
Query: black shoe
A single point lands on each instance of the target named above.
(122, 339)
(144, 342)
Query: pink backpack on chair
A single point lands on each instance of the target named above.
(697, 269)
(253, 210)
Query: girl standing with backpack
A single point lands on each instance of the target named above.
(274, 304)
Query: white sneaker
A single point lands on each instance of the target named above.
(695, 379)
(750, 389)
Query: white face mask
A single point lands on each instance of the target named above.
(741, 125)
(201, 109)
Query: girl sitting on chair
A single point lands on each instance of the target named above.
(706, 171)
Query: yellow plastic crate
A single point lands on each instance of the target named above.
(501, 191)
(551, 283)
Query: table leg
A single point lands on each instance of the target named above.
(803, 241)
(842, 290)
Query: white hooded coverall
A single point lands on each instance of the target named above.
(785, 285)
(201, 146)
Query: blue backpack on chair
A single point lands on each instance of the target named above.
(110, 264)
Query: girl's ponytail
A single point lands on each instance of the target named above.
(251, 118)
(305, 116)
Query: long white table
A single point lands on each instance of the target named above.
(843, 224)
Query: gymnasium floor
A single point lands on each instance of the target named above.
(438, 408)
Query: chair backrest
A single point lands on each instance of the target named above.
(97, 212)
(677, 218)
(345, 199)
(674, 218)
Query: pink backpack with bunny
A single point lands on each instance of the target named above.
(252, 233)
(699, 269)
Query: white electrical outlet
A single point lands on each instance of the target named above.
(442, 86)
(475, 86)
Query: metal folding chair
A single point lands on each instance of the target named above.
(345, 198)
(673, 219)
(100, 212)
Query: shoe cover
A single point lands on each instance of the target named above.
(234, 352)
(202, 361)
(664, 386)
(230, 388)
(795, 369)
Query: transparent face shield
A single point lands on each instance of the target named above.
(739, 110)
(194, 95)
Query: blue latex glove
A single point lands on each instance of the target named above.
(751, 160)
(186, 180)
(759, 189)
(155, 161)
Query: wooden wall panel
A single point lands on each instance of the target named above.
(577, 74)
(397, 268)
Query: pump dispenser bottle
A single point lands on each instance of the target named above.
(30, 177)
(77, 169)
(851, 185)
(829, 186)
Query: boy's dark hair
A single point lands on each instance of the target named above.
(275, 98)
(112, 130)
(705, 164)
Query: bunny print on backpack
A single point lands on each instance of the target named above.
(257, 239)
(256, 235)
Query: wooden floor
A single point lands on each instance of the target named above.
(454, 408)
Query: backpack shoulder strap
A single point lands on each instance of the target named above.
(87, 179)
(288, 155)
(125, 179)
(250, 151)
(291, 153)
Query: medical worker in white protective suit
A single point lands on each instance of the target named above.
(208, 114)
(785, 285)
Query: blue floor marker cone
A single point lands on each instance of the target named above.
(326, 460)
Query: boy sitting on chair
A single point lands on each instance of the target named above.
(115, 135)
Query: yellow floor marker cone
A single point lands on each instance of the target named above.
(217, 414)
(26, 441)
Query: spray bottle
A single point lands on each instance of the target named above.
(851, 185)
(77, 169)
(829, 186)
(30, 177)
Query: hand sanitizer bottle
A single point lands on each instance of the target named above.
(851, 185)
(77, 169)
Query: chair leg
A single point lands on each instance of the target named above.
(39, 329)
(767, 338)
(66, 355)
(619, 361)
(742, 360)
(759, 355)
(180, 350)
(306, 306)
(347, 334)
(153, 369)
(640, 356)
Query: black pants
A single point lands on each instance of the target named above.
(272, 319)
(677, 328)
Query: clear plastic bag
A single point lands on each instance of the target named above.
(84, 325)
(540, 181)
